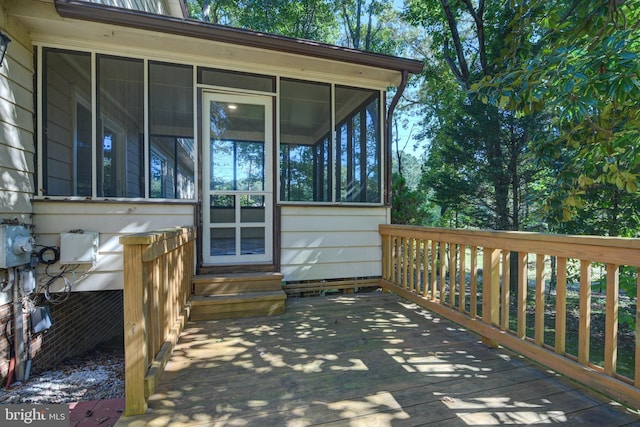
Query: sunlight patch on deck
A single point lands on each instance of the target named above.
(375, 403)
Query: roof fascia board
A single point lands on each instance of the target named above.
(191, 28)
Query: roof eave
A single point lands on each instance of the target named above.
(190, 28)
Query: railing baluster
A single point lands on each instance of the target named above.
(389, 262)
(405, 262)
(506, 294)
(584, 329)
(443, 266)
(411, 284)
(473, 285)
(611, 321)
(418, 266)
(399, 255)
(540, 288)
(433, 275)
(425, 267)
(561, 305)
(462, 279)
(452, 275)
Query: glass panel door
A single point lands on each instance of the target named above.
(237, 171)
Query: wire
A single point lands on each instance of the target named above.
(54, 292)
(49, 261)
(57, 297)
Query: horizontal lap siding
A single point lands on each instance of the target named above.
(111, 220)
(331, 242)
(16, 125)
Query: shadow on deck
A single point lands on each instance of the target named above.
(359, 360)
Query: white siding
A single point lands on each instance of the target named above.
(331, 242)
(111, 220)
(16, 124)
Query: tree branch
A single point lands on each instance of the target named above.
(452, 64)
(347, 23)
(462, 71)
(479, 20)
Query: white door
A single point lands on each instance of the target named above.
(237, 179)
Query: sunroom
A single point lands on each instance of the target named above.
(274, 148)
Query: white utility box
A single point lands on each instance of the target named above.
(16, 244)
(79, 248)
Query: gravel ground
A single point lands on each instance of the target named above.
(96, 375)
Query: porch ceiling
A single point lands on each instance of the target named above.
(85, 25)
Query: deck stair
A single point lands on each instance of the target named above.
(229, 296)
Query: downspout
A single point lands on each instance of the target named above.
(389, 135)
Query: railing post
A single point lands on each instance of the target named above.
(490, 290)
(135, 330)
(523, 273)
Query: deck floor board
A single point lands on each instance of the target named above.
(359, 360)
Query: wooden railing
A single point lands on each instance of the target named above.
(468, 277)
(158, 268)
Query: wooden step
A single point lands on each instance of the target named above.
(245, 304)
(234, 295)
(211, 284)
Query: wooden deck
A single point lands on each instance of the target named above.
(359, 360)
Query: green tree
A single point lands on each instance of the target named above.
(484, 146)
(409, 206)
(579, 61)
(369, 25)
(307, 19)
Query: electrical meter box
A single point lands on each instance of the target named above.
(16, 244)
(79, 248)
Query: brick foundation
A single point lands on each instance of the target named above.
(80, 323)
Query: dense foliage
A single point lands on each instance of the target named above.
(525, 118)
(579, 62)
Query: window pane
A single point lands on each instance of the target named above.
(358, 142)
(237, 147)
(236, 79)
(120, 127)
(223, 209)
(252, 240)
(252, 208)
(305, 153)
(67, 125)
(223, 241)
(171, 129)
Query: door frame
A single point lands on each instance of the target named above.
(269, 261)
